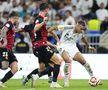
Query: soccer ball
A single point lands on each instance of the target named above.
(93, 81)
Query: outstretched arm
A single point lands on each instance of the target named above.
(52, 45)
(55, 36)
(38, 25)
(84, 40)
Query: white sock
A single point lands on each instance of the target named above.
(88, 68)
(66, 72)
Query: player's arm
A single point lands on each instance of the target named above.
(55, 36)
(18, 30)
(50, 44)
(52, 29)
(84, 40)
(38, 25)
(3, 35)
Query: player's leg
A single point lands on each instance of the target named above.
(9, 74)
(12, 63)
(34, 72)
(28, 77)
(46, 53)
(3, 65)
(67, 60)
(79, 57)
(57, 61)
(42, 71)
(49, 73)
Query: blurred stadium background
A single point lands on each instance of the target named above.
(93, 12)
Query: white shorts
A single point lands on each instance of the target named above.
(71, 49)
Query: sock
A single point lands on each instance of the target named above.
(88, 68)
(66, 66)
(49, 74)
(66, 80)
(33, 72)
(46, 71)
(56, 72)
(7, 76)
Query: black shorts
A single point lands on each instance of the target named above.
(44, 54)
(7, 55)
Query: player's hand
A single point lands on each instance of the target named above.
(58, 43)
(60, 27)
(45, 19)
(92, 49)
(55, 46)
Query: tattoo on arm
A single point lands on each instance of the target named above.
(3, 32)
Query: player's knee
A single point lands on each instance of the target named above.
(14, 69)
(59, 61)
(4, 65)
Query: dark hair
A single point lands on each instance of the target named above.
(83, 23)
(13, 14)
(43, 6)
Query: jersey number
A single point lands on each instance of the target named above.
(5, 55)
(49, 49)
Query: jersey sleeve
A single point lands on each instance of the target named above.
(28, 28)
(8, 25)
(38, 20)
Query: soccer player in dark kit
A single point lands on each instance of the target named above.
(7, 58)
(40, 47)
(29, 28)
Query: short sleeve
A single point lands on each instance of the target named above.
(38, 20)
(28, 28)
(8, 25)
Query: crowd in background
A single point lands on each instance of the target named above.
(62, 12)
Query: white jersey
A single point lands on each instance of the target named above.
(68, 40)
(69, 36)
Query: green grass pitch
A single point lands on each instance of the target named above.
(42, 84)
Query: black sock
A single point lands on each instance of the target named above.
(7, 76)
(46, 71)
(49, 74)
(33, 72)
(56, 72)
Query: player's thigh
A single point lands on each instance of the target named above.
(4, 58)
(56, 59)
(66, 57)
(41, 66)
(14, 67)
(13, 63)
(79, 57)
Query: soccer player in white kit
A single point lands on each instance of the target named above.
(68, 49)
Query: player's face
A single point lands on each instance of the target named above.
(46, 11)
(16, 18)
(80, 28)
